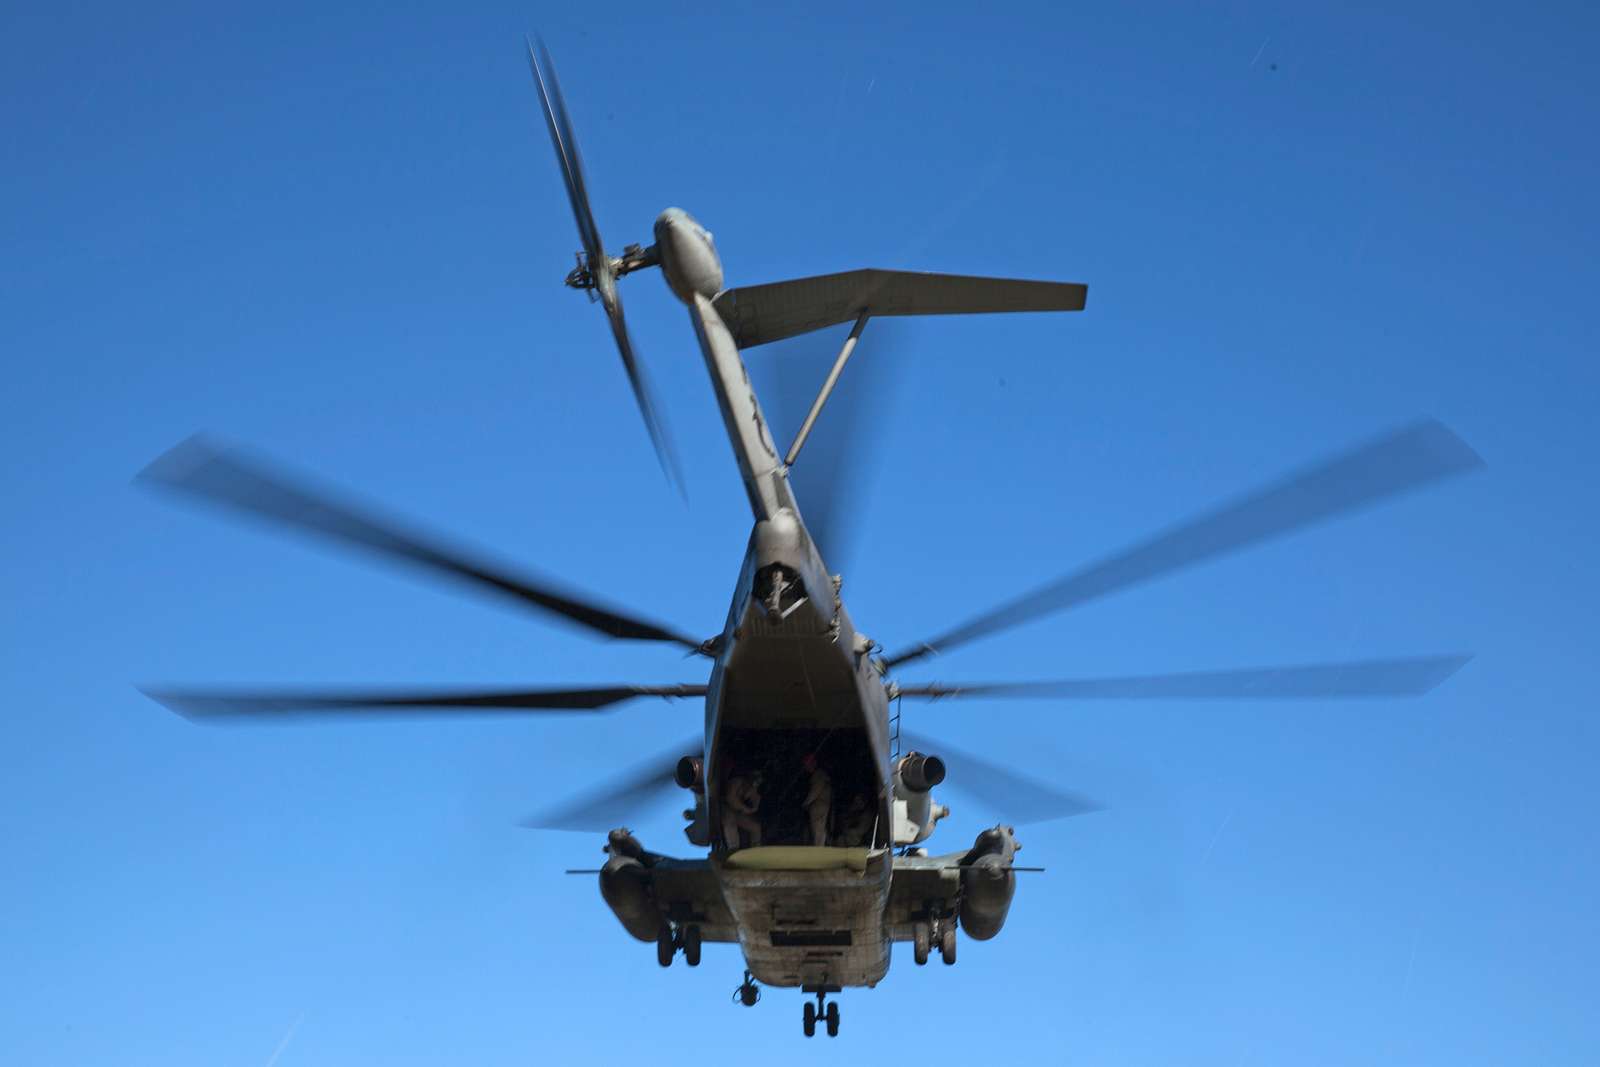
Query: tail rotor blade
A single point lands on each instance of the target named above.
(566, 146)
(1419, 454)
(643, 394)
(596, 261)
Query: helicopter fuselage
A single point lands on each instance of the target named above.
(793, 689)
(793, 682)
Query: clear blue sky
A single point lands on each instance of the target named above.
(339, 238)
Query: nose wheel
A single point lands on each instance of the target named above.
(748, 992)
(824, 1011)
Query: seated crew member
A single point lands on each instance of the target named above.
(819, 800)
(742, 800)
(858, 819)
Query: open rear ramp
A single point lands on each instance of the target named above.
(756, 314)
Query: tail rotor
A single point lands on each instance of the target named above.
(597, 272)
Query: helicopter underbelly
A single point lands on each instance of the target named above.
(812, 928)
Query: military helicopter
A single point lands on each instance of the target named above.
(811, 804)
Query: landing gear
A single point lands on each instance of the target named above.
(748, 992)
(940, 932)
(822, 1009)
(669, 941)
(947, 942)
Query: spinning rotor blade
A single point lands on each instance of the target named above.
(596, 261)
(1015, 797)
(1412, 457)
(643, 394)
(566, 146)
(1408, 677)
(615, 802)
(203, 471)
(283, 704)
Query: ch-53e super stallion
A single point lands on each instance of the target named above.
(811, 806)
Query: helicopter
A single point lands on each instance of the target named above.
(811, 806)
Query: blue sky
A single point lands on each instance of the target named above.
(337, 236)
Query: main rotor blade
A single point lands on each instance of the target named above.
(643, 394)
(623, 798)
(281, 704)
(1361, 679)
(566, 146)
(1421, 453)
(1015, 797)
(206, 472)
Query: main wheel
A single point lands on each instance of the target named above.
(919, 943)
(691, 945)
(809, 1019)
(947, 942)
(832, 1019)
(665, 947)
(748, 995)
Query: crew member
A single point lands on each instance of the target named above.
(819, 799)
(742, 801)
(858, 819)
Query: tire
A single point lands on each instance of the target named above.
(832, 1019)
(665, 948)
(748, 996)
(691, 945)
(919, 943)
(947, 943)
(809, 1019)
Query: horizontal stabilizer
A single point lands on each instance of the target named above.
(756, 314)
